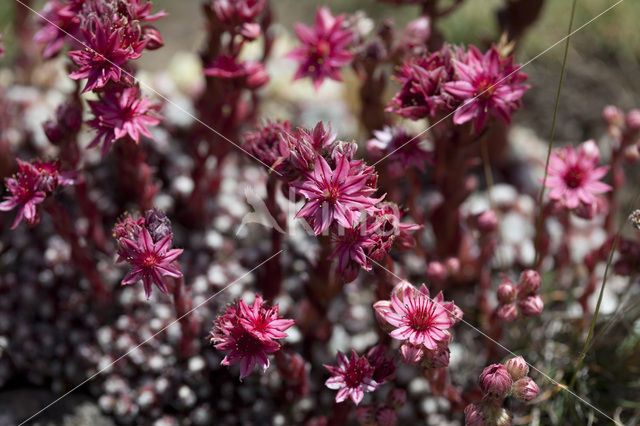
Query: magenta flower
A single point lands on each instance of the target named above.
(248, 332)
(102, 58)
(30, 186)
(401, 150)
(417, 319)
(323, 51)
(26, 194)
(338, 194)
(266, 142)
(351, 248)
(237, 11)
(352, 377)
(574, 177)
(249, 73)
(151, 260)
(119, 113)
(60, 19)
(488, 85)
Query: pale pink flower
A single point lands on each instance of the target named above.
(417, 318)
(573, 175)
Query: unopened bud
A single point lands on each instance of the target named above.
(436, 272)
(487, 221)
(632, 120)
(507, 313)
(495, 381)
(531, 305)
(250, 30)
(529, 283)
(516, 367)
(612, 115)
(157, 223)
(525, 389)
(153, 36)
(506, 292)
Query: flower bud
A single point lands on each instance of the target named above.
(396, 398)
(586, 211)
(411, 354)
(387, 417)
(69, 115)
(366, 415)
(453, 265)
(529, 283)
(525, 389)
(474, 415)
(436, 272)
(487, 221)
(157, 223)
(632, 120)
(437, 358)
(506, 292)
(612, 115)
(53, 132)
(507, 313)
(153, 36)
(250, 30)
(531, 305)
(516, 367)
(495, 381)
(416, 33)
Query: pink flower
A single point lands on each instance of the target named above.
(237, 11)
(416, 318)
(573, 175)
(119, 113)
(250, 73)
(266, 142)
(102, 58)
(352, 377)
(248, 332)
(26, 194)
(422, 82)
(488, 85)
(401, 149)
(30, 186)
(323, 48)
(60, 19)
(151, 261)
(351, 246)
(339, 194)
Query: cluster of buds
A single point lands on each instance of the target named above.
(145, 243)
(421, 323)
(107, 35)
(497, 382)
(339, 193)
(249, 333)
(521, 298)
(29, 187)
(474, 85)
(624, 129)
(355, 375)
(382, 413)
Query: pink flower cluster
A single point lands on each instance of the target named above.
(521, 298)
(497, 382)
(145, 243)
(339, 192)
(421, 323)
(107, 35)
(474, 85)
(324, 48)
(29, 187)
(249, 333)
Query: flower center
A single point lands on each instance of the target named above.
(248, 344)
(323, 48)
(421, 320)
(149, 260)
(574, 177)
(353, 376)
(486, 87)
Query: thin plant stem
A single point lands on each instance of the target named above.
(583, 353)
(553, 130)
